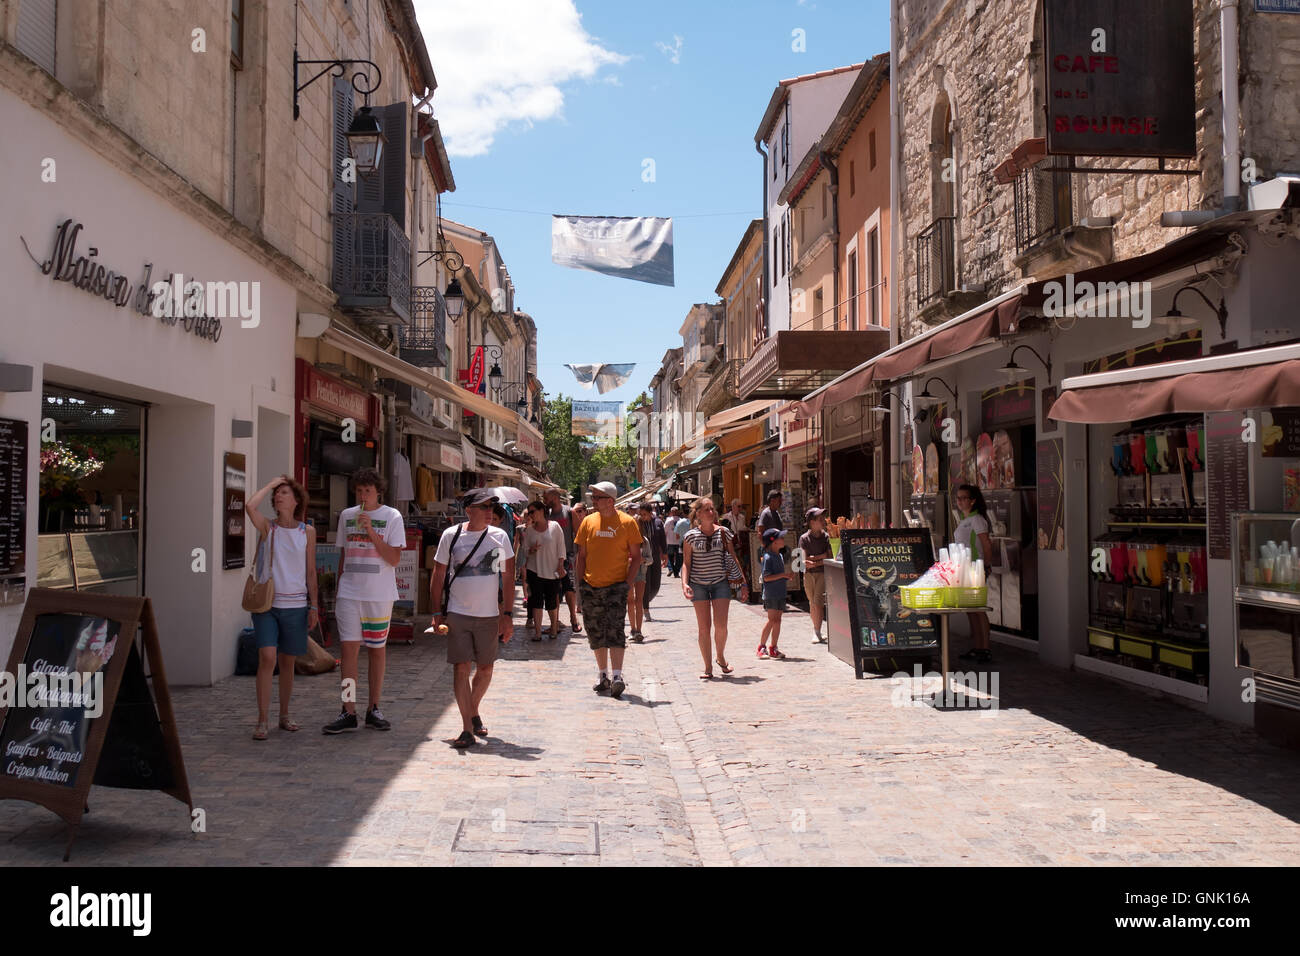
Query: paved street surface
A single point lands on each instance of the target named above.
(790, 762)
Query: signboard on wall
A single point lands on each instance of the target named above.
(13, 509)
(1227, 465)
(1051, 495)
(235, 487)
(1120, 78)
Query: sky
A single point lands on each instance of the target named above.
(554, 106)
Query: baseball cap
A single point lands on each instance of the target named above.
(813, 513)
(605, 488)
(479, 496)
(771, 534)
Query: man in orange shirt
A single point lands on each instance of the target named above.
(608, 547)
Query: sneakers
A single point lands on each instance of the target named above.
(343, 722)
(616, 689)
(603, 686)
(375, 719)
(637, 637)
(762, 652)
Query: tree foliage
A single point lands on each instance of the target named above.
(567, 460)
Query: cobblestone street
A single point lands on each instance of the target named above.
(788, 762)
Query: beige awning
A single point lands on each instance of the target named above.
(438, 387)
(732, 415)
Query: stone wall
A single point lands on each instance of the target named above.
(986, 58)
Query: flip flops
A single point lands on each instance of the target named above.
(466, 739)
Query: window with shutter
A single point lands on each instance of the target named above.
(392, 120)
(343, 199)
(35, 37)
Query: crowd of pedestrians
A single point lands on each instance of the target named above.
(603, 564)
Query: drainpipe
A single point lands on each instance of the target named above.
(758, 147)
(894, 490)
(833, 171)
(1228, 42)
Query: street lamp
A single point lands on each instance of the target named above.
(365, 137)
(1012, 371)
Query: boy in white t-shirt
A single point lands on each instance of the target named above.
(372, 537)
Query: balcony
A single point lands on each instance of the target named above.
(723, 387)
(372, 268)
(424, 341)
(936, 273)
(1044, 203)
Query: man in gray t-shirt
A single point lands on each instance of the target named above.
(560, 513)
(771, 515)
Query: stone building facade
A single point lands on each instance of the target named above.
(971, 89)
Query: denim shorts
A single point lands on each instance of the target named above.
(721, 591)
(284, 628)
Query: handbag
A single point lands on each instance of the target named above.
(259, 595)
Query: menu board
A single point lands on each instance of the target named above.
(877, 562)
(1227, 465)
(13, 497)
(234, 486)
(1051, 495)
(44, 734)
(78, 708)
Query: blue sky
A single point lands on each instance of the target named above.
(547, 113)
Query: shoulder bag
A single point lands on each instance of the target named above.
(259, 595)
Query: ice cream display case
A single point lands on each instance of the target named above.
(1266, 595)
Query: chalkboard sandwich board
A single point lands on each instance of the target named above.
(877, 562)
(76, 708)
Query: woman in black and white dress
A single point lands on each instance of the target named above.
(709, 568)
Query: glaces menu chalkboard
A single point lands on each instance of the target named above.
(13, 496)
(1227, 465)
(877, 562)
(76, 707)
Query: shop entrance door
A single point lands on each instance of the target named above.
(91, 513)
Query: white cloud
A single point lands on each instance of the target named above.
(674, 51)
(504, 61)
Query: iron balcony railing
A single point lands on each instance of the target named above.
(1044, 203)
(372, 268)
(935, 262)
(424, 341)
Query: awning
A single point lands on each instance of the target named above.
(790, 363)
(1259, 378)
(709, 449)
(733, 415)
(439, 387)
(989, 321)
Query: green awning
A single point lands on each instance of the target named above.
(709, 449)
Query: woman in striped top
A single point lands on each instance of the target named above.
(709, 563)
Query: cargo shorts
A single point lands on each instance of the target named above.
(603, 610)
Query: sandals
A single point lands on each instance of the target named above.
(723, 664)
(286, 723)
(259, 732)
(479, 729)
(575, 627)
(466, 739)
(706, 677)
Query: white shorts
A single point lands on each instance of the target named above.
(364, 621)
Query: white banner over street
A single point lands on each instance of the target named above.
(605, 377)
(626, 247)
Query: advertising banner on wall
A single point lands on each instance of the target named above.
(598, 420)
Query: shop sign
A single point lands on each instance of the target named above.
(235, 485)
(1279, 434)
(530, 443)
(450, 458)
(13, 502)
(1173, 349)
(1120, 78)
(173, 301)
(1227, 462)
(1008, 405)
(876, 564)
(332, 395)
(1277, 6)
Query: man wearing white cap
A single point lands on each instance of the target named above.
(608, 547)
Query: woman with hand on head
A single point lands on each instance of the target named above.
(282, 630)
(709, 568)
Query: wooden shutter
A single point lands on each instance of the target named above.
(36, 31)
(343, 199)
(393, 121)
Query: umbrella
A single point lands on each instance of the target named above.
(510, 496)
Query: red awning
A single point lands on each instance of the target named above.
(1182, 387)
(902, 360)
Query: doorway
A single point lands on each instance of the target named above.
(92, 481)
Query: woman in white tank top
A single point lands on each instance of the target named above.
(282, 631)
